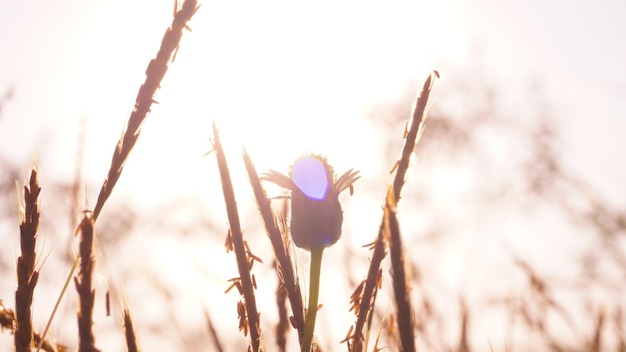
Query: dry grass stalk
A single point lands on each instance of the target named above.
(217, 343)
(365, 306)
(154, 75)
(463, 339)
(26, 274)
(86, 294)
(283, 321)
(619, 329)
(412, 137)
(284, 267)
(596, 343)
(129, 332)
(401, 279)
(373, 281)
(7, 321)
(249, 308)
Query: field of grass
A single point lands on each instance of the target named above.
(402, 326)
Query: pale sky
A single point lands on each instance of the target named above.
(301, 74)
(312, 65)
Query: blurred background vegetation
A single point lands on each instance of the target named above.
(515, 243)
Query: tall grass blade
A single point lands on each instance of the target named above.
(284, 266)
(145, 98)
(129, 332)
(250, 307)
(372, 281)
(83, 282)
(26, 274)
(401, 279)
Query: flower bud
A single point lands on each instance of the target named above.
(316, 214)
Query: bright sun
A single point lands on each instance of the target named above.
(279, 78)
(283, 79)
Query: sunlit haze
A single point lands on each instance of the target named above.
(282, 79)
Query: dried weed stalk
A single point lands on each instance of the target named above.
(248, 315)
(217, 342)
(400, 276)
(282, 327)
(373, 279)
(129, 332)
(284, 266)
(83, 282)
(465, 318)
(7, 321)
(145, 98)
(26, 274)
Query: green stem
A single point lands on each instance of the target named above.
(314, 289)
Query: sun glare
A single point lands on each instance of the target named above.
(282, 80)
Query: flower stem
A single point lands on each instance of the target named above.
(314, 289)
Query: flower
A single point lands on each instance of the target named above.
(316, 214)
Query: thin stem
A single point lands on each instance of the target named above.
(314, 289)
(287, 276)
(368, 296)
(129, 331)
(58, 303)
(84, 286)
(243, 260)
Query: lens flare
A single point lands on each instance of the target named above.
(309, 174)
